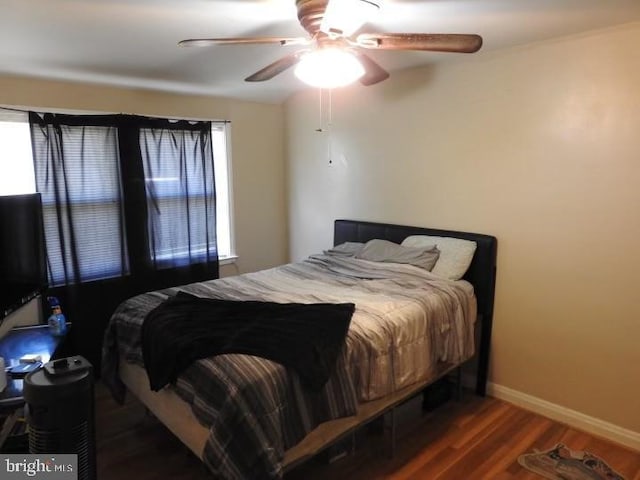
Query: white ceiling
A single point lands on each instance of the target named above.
(133, 42)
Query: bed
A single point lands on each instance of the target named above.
(254, 418)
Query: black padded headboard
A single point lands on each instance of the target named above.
(481, 273)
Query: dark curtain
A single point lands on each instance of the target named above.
(128, 205)
(77, 169)
(177, 159)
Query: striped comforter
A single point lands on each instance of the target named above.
(406, 321)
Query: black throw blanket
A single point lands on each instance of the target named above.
(185, 328)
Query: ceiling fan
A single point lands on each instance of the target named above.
(333, 55)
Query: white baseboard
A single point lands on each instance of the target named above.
(565, 415)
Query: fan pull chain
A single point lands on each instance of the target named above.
(321, 110)
(319, 129)
(329, 124)
(330, 108)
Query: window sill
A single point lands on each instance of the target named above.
(227, 260)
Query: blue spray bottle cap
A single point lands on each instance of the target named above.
(53, 301)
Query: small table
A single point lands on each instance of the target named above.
(20, 341)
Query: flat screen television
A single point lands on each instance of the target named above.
(23, 265)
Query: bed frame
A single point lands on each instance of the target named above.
(178, 417)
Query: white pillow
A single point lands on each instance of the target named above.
(455, 254)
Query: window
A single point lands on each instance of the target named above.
(16, 164)
(220, 133)
(16, 176)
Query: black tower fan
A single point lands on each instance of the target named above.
(60, 411)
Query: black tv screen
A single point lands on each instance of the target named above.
(23, 266)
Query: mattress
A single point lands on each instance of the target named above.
(406, 322)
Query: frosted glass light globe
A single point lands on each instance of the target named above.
(329, 68)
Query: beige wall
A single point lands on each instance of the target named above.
(537, 145)
(29, 314)
(257, 143)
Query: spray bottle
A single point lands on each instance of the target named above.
(57, 322)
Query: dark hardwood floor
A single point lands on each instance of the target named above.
(476, 438)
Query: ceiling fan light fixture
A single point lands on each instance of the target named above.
(329, 68)
(346, 16)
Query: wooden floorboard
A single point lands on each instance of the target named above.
(475, 438)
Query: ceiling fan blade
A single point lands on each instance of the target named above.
(277, 67)
(207, 42)
(434, 42)
(373, 73)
